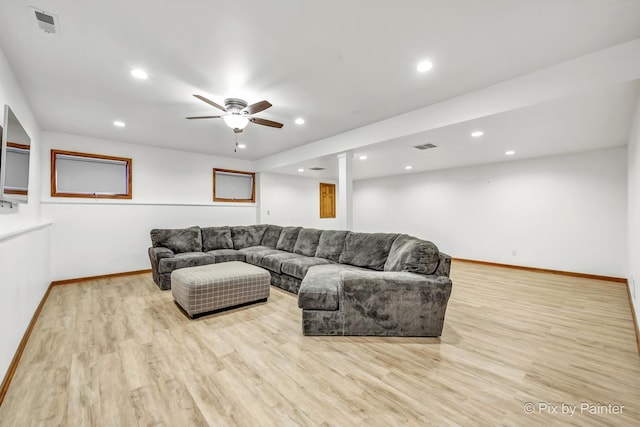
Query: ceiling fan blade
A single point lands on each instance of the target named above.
(265, 122)
(257, 107)
(204, 117)
(210, 102)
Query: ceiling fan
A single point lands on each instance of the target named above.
(239, 113)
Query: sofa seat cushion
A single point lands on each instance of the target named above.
(216, 238)
(369, 250)
(185, 259)
(226, 255)
(256, 253)
(412, 255)
(273, 262)
(252, 249)
(179, 240)
(319, 288)
(297, 267)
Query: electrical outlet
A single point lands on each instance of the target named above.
(268, 212)
(514, 253)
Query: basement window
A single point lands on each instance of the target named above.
(87, 175)
(234, 186)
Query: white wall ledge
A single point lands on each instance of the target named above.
(23, 230)
(102, 202)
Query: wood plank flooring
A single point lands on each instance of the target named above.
(118, 352)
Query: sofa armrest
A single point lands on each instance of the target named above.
(444, 265)
(393, 303)
(155, 255)
(160, 252)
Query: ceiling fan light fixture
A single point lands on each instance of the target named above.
(236, 121)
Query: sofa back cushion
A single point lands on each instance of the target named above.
(368, 250)
(307, 242)
(288, 238)
(244, 236)
(271, 236)
(413, 255)
(179, 240)
(216, 238)
(331, 244)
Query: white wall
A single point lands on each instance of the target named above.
(24, 263)
(292, 200)
(634, 212)
(171, 189)
(565, 212)
(24, 241)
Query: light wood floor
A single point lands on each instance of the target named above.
(118, 352)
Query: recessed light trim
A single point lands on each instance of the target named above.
(119, 123)
(139, 74)
(363, 157)
(300, 170)
(424, 66)
(509, 153)
(299, 121)
(408, 167)
(477, 134)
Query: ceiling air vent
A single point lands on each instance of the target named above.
(317, 168)
(425, 146)
(46, 21)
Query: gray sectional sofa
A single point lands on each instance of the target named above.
(347, 283)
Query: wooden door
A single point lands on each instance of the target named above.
(327, 200)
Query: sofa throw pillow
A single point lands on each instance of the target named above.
(247, 235)
(216, 238)
(368, 250)
(179, 240)
(412, 255)
(307, 242)
(287, 239)
(331, 244)
(271, 236)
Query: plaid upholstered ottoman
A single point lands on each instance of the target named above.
(212, 287)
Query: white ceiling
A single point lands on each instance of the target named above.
(340, 65)
(588, 121)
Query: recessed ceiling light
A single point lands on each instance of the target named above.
(242, 146)
(477, 134)
(300, 170)
(509, 153)
(299, 121)
(424, 66)
(363, 157)
(408, 167)
(139, 74)
(119, 124)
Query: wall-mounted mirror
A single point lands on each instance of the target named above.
(14, 159)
